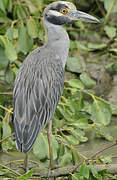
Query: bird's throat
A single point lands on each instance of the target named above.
(57, 39)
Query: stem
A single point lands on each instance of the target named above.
(98, 152)
(13, 171)
(4, 139)
(68, 171)
(6, 109)
(100, 7)
(20, 162)
(93, 96)
(6, 93)
(109, 12)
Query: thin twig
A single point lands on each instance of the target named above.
(109, 12)
(98, 152)
(20, 160)
(6, 109)
(26, 17)
(13, 171)
(18, 20)
(100, 7)
(4, 139)
(6, 93)
(66, 171)
(114, 144)
(93, 96)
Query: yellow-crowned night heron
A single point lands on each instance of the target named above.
(40, 80)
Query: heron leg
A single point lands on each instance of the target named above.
(26, 162)
(50, 144)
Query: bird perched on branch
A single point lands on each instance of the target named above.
(39, 83)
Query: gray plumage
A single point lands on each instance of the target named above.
(39, 83)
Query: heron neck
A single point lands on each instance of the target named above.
(57, 40)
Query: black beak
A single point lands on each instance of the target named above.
(81, 16)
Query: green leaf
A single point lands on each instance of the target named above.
(5, 3)
(26, 176)
(41, 34)
(84, 171)
(66, 159)
(87, 81)
(79, 24)
(102, 131)
(79, 135)
(83, 139)
(9, 76)
(9, 33)
(55, 147)
(4, 20)
(76, 103)
(4, 172)
(113, 50)
(109, 4)
(9, 5)
(72, 140)
(73, 45)
(25, 42)
(96, 46)
(93, 171)
(9, 49)
(32, 28)
(75, 156)
(83, 123)
(76, 83)
(6, 128)
(20, 11)
(12, 33)
(2, 77)
(15, 33)
(77, 176)
(106, 159)
(110, 31)
(3, 59)
(2, 6)
(63, 112)
(74, 65)
(7, 144)
(61, 149)
(112, 67)
(82, 46)
(40, 148)
(100, 177)
(101, 112)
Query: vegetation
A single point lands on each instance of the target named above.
(89, 97)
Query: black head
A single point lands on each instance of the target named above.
(63, 12)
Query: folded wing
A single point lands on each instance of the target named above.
(37, 91)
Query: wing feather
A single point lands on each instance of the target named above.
(37, 91)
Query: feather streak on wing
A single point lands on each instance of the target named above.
(37, 91)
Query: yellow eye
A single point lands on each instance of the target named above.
(64, 10)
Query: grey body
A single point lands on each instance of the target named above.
(38, 87)
(39, 83)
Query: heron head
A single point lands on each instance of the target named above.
(63, 12)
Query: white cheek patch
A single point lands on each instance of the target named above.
(55, 13)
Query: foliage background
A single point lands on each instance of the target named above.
(89, 97)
